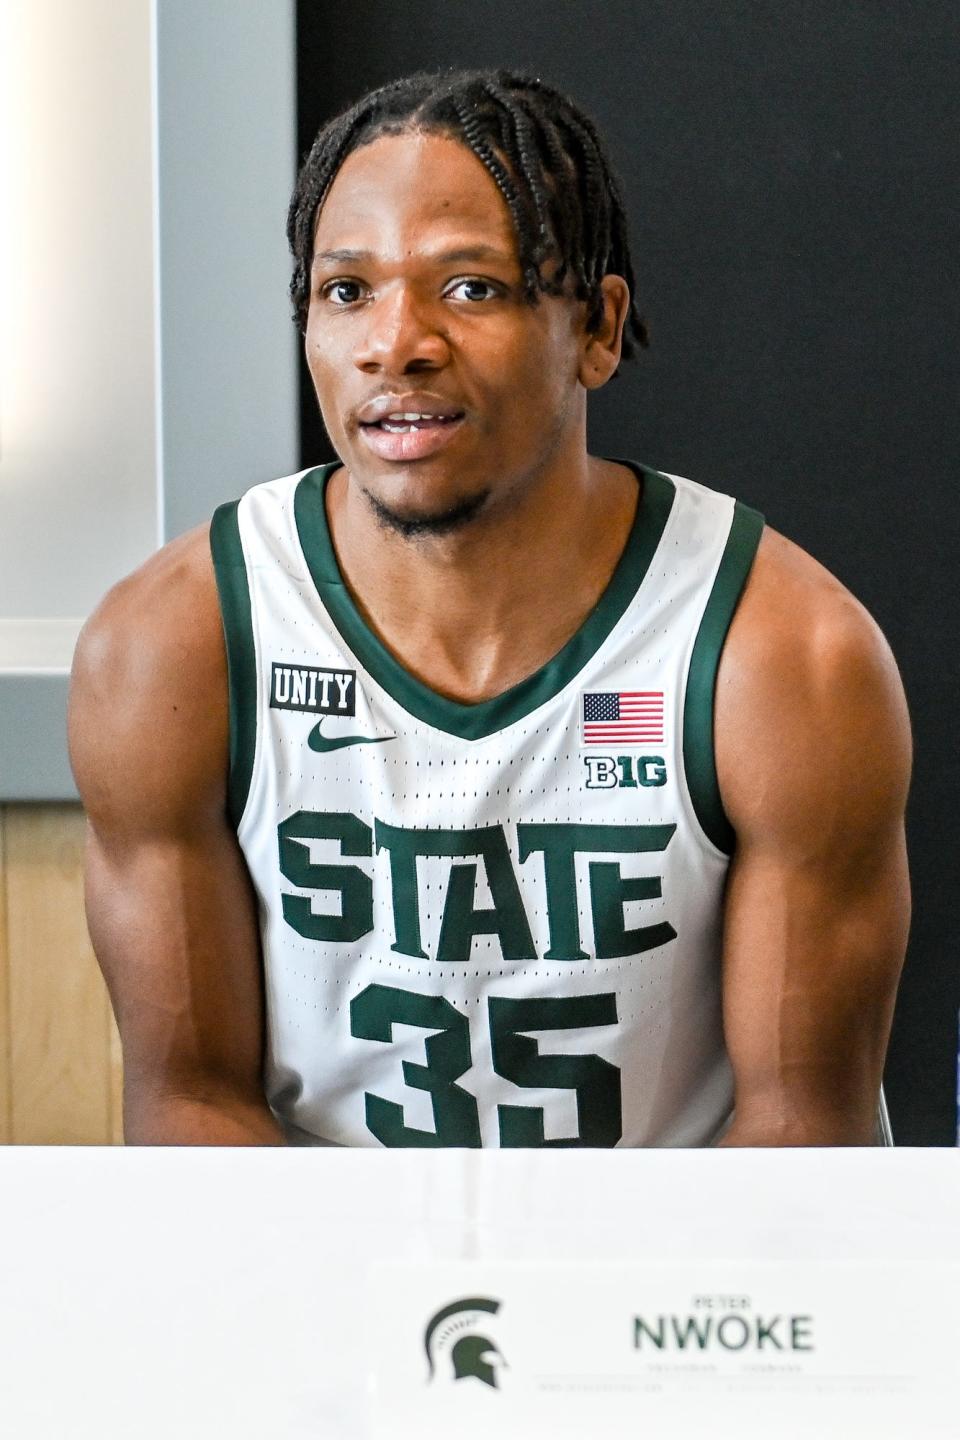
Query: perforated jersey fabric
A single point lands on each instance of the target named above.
(493, 924)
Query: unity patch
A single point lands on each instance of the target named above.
(306, 687)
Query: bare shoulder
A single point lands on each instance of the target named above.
(148, 697)
(809, 690)
(796, 618)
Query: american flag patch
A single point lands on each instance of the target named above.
(623, 717)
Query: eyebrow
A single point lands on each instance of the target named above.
(442, 257)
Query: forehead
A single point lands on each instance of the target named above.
(412, 190)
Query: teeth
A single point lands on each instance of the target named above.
(401, 422)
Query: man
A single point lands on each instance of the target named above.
(533, 798)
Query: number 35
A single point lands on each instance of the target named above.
(516, 1057)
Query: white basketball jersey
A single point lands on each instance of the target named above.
(493, 924)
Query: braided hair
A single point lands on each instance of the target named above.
(544, 155)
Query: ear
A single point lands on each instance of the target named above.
(601, 352)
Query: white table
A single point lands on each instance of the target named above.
(227, 1293)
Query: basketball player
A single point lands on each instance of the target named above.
(475, 790)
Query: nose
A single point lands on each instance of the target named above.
(401, 335)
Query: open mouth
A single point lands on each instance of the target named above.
(403, 424)
(409, 435)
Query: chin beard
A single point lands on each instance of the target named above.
(440, 522)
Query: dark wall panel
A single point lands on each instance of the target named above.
(791, 173)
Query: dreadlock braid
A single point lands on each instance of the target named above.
(593, 214)
(542, 152)
(473, 134)
(554, 161)
(516, 123)
(610, 235)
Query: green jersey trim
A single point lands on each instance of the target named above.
(699, 761)
(231, 573)
(475, 722)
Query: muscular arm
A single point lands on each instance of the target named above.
(813, 760)
(169, 904)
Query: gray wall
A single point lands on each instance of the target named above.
(226, 145)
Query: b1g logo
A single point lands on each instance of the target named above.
(457, 1345)
(624, 772)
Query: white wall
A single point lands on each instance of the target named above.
(78, 479)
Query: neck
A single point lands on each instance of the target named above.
(474, 611)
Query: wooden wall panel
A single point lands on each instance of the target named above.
(64, 1060)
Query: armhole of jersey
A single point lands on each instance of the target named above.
(231, 571)
(698, 748)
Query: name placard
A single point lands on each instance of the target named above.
(605, 1350)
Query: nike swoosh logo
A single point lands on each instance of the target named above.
(322, 743)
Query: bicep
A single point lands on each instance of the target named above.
(170, 906)
(814, 756)
(811, 964)
(174, 925)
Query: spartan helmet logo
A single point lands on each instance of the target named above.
(454, 1331)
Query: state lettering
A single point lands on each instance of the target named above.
(462, 919)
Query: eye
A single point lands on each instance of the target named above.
(473, 284)
(334, 291)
